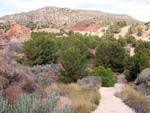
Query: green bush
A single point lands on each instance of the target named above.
(115, 28)
(105, 23)
(121, 23)
(45, 26)
(110, 54)
(132, 29)
(91, 41)
(108, 34)
(147, 24)
(130, 39)
(141, 45)
(78, 42)
(106, 75)
(18, 59)
(122, 41)
(73, 63)
(139, 31)
(40, 51)
(32, 25)
(137, 63)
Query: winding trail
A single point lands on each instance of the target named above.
(109, 103)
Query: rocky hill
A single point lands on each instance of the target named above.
(64, 17)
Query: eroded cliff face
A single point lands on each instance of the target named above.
(17, 31)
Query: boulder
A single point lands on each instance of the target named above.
(18, 31)
(143, 82)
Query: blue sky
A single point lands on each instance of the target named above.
(139, 9)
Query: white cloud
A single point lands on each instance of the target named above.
(136, 8)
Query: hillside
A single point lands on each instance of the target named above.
(64, 17)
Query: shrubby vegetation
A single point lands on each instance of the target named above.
(105, 23)
(115, 28)
(77, 41)
(121, 23)
(108, 34)
(130, 39)
(30, 103)
(139, 31)
(110, 54)
(74, 51)
(40, 51)
(132, 29)
(137, 63)
(90, 82)
(73, 63)
(32, 26)
(147, 24)
(135, 100)
(84, 100)
(140, 45)
(122, 41)
(106, 75)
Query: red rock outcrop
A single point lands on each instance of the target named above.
(2, 33)
(17, 31)
(89, 25)
(12, 92)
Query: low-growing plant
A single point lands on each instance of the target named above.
(31, 103)
(139, 31)
(115, 28)
(132, 29)
(3, 104)
(90, 82)
(147, 24)
(121, 23)
(106, 75)
(31, 25)
(84, 100)
(136, 101)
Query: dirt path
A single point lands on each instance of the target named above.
(110, 103)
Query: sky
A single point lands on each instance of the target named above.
(139, 9)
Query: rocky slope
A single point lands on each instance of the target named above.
(64, 17)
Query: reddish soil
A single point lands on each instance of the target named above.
(89, 25)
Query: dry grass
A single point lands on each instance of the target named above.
(83, 100)
(131, 97)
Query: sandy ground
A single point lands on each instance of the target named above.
(109, 103)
